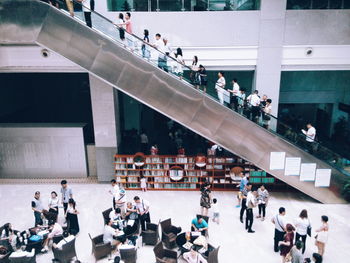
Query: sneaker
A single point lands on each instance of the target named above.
(251, 231)
(258, 216)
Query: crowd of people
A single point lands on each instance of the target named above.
(289, 238)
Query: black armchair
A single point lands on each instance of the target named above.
(169, 233)
(164, 255)
(150, 236)
(105, 215)
(5, 258)
(99, 249)
(128, 255)
(66, 253)
(213, 254)
(24, 259)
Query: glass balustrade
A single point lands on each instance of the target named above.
(318, 4)
(168, 63)
(182, 5)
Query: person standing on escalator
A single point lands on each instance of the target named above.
(220, 86)
(87, 11)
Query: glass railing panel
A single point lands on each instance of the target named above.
(299, 4)
(320, 4)
(155, 54)
(230, 5)
(335, 4)
(170, 5)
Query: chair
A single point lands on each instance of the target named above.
(169, 233)
(5, 258)
(105, 215)
(66, 253)
(213, 254)
(164, 255)
(128, 255)
(24, 259)
(99, 249)
(150, 236)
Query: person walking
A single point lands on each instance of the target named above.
(143, 183)
(194, 76)
(159, 45)
(287, 243)
(144, 142)
(243, 197)
(234, 94)
(54, 202)
(322, 235)
(280, 227)
(263, 198)
(72, 218)
(142, 207)
(114, 191)
(215, 209)
(37, 207)
(251, 203)
(205, 200)
(220, 86)
(302, 224)
(67, 194)
(120, 200)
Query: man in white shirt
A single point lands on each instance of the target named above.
(310, 136)
(254, 101)
(159, 45)
(280, 227)
(109, 233)
(142, 207)
(120, 201)
(235, 94)
(251, 203)
(114, 191)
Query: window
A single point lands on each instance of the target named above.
(318, 4)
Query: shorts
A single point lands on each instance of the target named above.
(216, 215)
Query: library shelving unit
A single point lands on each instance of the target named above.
(176, 172)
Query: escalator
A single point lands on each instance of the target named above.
(100, 51)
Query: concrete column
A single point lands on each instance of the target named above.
(104, 112)
(271, 36)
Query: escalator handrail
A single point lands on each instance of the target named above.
(208, 82)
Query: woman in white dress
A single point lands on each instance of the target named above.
(220, 86)
(178, 70)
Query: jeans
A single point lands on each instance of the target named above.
(303, 239)
(262, 208)
(249, 219)
(38, 220)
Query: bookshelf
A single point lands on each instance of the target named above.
(171, 172)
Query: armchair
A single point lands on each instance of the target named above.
(99, 249)
(164, 255)
(24, 259)
(5, 258)
(128, 255)
(66, 253)
(213, 254)
(169, 233)
(105, 215)
(150, 236)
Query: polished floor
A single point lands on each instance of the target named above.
(236, 245)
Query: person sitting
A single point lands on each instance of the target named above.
(131, 211)
(8, 235)
(116, 217)
(66, 238)
(109, 234)
(55, 234)
(194, 257)
(200, 225)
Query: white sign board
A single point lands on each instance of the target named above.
(323, 177)
(307, 171)
(277, 160)
(292, 166)
(227, 96)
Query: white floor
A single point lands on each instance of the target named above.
(236, 245)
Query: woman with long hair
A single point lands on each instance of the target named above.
(205, 199)
(121, 21)
(302, 224)
(53, 203)
(72, 218)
